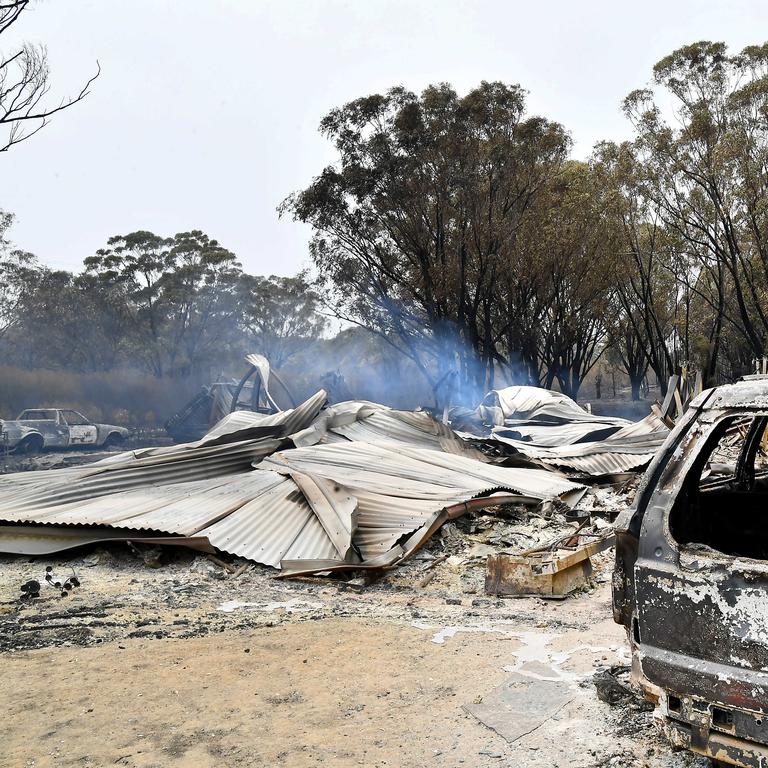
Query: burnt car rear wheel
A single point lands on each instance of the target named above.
(113, 439)
(30, 444)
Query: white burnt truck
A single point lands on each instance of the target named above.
(37, 429)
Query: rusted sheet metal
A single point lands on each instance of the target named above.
(554, 573)
(722, 747)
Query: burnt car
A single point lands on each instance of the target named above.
(40, 428)
(691, 577)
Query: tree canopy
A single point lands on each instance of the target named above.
(460, 233)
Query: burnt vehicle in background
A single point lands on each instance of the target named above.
(691, 577)
(37, 429)
(214, 402)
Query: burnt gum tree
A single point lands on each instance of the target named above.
(416, 224)
(702, 168)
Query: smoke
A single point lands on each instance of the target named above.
(123, 397)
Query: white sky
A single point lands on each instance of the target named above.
(206, 112)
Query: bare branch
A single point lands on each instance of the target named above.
(24, 85)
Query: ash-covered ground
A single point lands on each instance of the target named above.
(173, 660)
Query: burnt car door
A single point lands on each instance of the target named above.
(699, 626)
(81, 431)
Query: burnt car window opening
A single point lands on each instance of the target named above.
(38, 416)
(722, 503)
(75, 419)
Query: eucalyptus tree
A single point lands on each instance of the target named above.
(703, 167)
(280, 315)
(181, 295)
(416, 224)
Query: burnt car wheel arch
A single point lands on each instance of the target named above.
(114, 439)
(30, 444)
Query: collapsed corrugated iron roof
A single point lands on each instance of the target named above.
(353, 486)
(553, 430)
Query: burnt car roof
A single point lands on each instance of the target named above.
(750, 393)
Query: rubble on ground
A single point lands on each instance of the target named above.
(352, 486)
(349, 491)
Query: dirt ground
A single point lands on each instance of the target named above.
(185, 665)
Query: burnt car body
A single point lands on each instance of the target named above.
(691, 577)
(37, 429)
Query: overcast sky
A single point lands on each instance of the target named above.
(206, 112)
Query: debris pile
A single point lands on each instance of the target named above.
(297, 490)
(551, 430)
(213, 403)
(354, 486)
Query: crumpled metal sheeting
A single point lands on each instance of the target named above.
(259, 514)
(382, 520)
(276, 524)
(415, 428)
(650, 425)
(552, 435)
(544, 418)
(417, 473)
(606, 457)
(239, 426)
(363, 421)
(179, 508)
(223, 451)
(408, 544)
(526, 399)
(288, 422)
(323, 428)
(334, 508)
(602, 464)
(533, 404)
(551, 429)
(47, 539)
(402, 493)
(383, 427)
(347, 504)
(261, 364)
(49, 488)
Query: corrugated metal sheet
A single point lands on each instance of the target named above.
(552, 430)
(383, 520)
(276, 524)
(547, 418)
(331, 503)
(361, 421)
(607, 457)
(416, 473)
(555, 434)
(526, 404)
